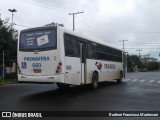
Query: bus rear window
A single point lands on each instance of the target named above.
(45, 39)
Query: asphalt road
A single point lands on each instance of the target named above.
(139, 92)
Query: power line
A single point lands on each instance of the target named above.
(143, 43)
(68, 8)
(22, 25)
(139, 45)
(53, 5)
(117, 32)
(142, 48)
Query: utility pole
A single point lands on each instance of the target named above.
(123, 42)
(148, 57)
(124, 59)
(74, 19)
(12, 10)
(139, 50)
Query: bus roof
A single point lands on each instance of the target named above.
(79, 34)
(88, 37)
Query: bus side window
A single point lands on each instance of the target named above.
(71, 46)
(75, 46)
(67, 40)
(90, 53)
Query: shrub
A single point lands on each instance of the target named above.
(11, 75)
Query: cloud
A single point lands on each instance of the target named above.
(110, 20)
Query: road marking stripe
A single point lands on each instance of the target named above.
(151, 81)
(134, 80)
(142, 80)
(127, 79)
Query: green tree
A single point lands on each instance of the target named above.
(153, 66)
(132, 61)
(8, 42)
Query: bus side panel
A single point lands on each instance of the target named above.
(73, 70)
(106, 70)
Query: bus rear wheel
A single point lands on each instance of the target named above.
(95, 80)
(62, 85)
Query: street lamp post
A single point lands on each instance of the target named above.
(12, 11)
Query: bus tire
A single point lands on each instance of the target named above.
(94, 81)
(62, 85)
(120, 79)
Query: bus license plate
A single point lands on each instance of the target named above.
(37, 70)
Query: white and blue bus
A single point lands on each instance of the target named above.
(55, 54)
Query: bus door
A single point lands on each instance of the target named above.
(82, 61)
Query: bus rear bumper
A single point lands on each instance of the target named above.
(27, 78)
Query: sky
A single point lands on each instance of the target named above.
(137, 21)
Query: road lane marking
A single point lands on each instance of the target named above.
(142, 80)
(151, 81)
(134, 80)
(127, 79)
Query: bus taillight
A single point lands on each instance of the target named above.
(18, 69)
(60, 64)
(59, 68)
(57, 71)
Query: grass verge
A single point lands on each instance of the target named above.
(7, 81)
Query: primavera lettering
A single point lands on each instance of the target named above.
(41, 58)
